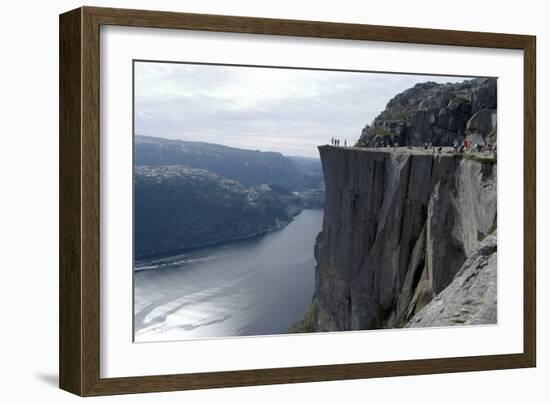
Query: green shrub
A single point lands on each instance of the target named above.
(307, 323)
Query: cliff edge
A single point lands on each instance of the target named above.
(398, 227)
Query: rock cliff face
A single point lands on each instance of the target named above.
(432, 112)
(471, 299)
(481, 128)
(398, 227)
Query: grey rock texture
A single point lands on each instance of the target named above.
(481, 128)
(471, 298)
(430, 112)
(398, 227)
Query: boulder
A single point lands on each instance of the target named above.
(481, 128)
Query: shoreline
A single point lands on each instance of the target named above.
(176, 252)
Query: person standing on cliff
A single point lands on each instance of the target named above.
(466, 144)
(455, 145)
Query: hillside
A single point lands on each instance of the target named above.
(177, 208)
(248, 167)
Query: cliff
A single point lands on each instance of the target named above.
(437, 113)
(471, 298)
(398, 227)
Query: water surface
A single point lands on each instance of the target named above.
(253, 287)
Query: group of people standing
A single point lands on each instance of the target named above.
(458, 146)
(467, 146)
(336, 142)
(384, 144)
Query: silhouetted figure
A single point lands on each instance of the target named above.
(455, 146)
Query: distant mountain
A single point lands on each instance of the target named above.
(248, 167)
(178, 208)
(312, 172)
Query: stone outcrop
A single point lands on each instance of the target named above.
(471, 298)
(481, 128)
(398, 227)
(431, 113)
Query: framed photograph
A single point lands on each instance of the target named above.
(248, 201)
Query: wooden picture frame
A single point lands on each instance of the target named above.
(79, 348)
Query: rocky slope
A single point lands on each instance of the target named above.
(398, 227)
(471, 298)
(178, 208)
(436, 113)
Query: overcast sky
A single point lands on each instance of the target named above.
(268, 109)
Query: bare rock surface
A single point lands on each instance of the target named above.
(482, 127)
(471, 298)
(398, 227)
(431, 113)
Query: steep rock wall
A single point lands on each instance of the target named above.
(471, 298)
(397, 228)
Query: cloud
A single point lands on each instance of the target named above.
(270, 109)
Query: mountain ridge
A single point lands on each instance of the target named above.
(436, 113)
(248, 167)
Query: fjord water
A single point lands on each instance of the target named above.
(258, 286)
